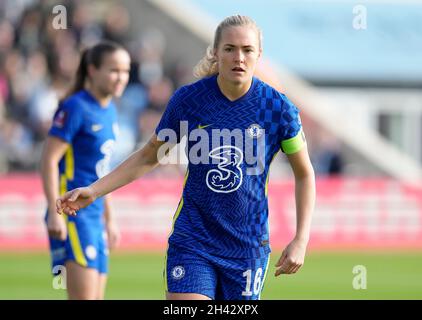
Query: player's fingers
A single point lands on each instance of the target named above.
(116, 238)
(59, 209)
(75, 195)
(279, 271)
(282, 259)
(68, 196)
(283, 268)
(114, 241)
(64, 197)
(287, 267)
(296, 269)
(68, 211)
(292, 267)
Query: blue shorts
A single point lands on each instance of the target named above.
(86, 244)
(215, 277)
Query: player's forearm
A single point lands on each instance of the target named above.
(305, 202)
(138, 164)
(50, 180)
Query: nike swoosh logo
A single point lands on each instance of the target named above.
(202, 127)
(96, 127)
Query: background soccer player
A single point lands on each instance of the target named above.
(76, 153)
(219, 244)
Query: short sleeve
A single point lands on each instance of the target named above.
(67, 122)
(292, 135)
(170, 125)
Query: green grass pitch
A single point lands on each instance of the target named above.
(138, 275)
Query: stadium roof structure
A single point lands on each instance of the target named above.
(323, 41)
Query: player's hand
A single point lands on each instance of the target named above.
(292, 258)
(74, 200)
(113, 235)
(56, 226)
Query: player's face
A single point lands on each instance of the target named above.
(112, 76)
(238, 53)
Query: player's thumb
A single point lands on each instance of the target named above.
(74, 195)
(282, 258)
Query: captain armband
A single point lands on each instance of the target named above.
(294, 144)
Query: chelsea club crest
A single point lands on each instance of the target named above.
(254, 131)
(178, 272)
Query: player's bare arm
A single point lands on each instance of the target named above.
(53, 151)
(293, 255)
(136, 165)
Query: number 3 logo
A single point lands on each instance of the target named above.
(227, 177)
(103, 166)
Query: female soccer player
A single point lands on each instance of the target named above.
(235, 125)
(76, 153)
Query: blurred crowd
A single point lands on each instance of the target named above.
(38, 63)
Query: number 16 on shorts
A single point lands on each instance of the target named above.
(254, 282)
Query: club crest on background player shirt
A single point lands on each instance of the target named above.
(96, 127)
(60, 119)
(91, 252)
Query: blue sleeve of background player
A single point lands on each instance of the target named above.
(67, 122)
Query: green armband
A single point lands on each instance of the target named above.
(294, 144)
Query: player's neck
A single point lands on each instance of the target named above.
(102, 99)
(233, 91)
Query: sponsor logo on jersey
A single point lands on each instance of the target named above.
(227, 177)
(116, 129)
(203, 126)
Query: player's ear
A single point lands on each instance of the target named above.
(91, 70)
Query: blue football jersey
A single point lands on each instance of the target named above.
(230, 145)
(90, 130)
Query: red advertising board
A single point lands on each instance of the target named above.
(349, 213)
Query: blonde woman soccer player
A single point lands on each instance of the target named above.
(77, 153)
(218, 247)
